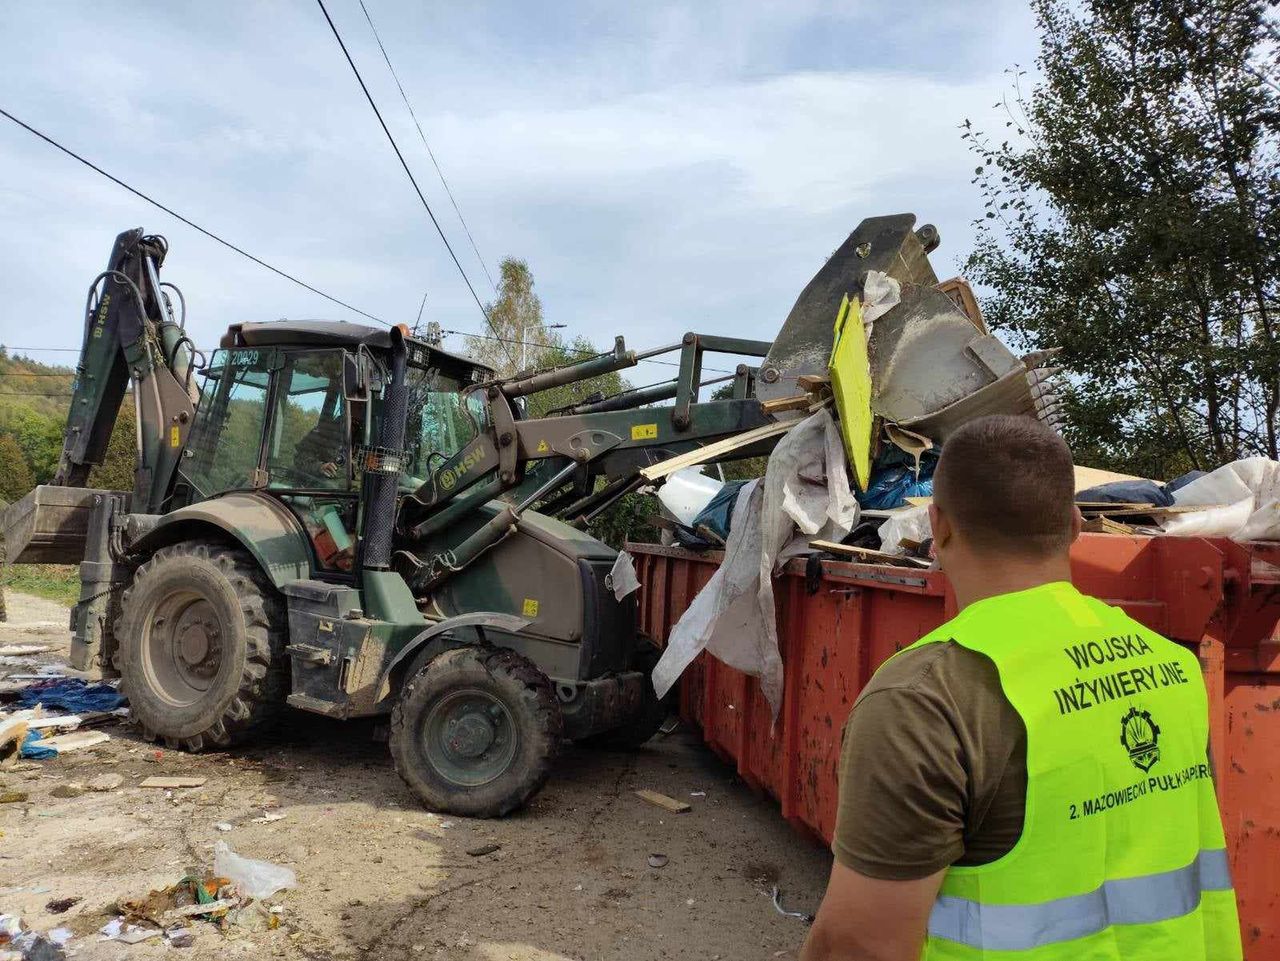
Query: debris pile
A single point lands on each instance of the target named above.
(50, 715)
(233, 893)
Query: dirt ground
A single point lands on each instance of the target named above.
(379, 876)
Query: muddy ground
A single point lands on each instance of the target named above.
(379, 876)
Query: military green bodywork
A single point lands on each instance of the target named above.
(287, 441)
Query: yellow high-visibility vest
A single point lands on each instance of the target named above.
(1122, 855)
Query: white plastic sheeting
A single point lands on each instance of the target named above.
(1246, 502)
(806, 489)
(686, 492)
(911, 523)
(880, 294)
(622, 576)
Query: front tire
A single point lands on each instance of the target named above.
(475, 732)
(201, 638)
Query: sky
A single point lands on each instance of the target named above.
(661, 166)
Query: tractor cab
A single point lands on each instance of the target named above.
(289, 408)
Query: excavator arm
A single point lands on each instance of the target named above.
(131, 337)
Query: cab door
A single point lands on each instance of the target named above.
(308, 454)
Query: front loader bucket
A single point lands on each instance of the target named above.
(803, 346)
(49, 525)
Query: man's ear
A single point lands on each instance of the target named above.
(940, 525)
(1077, 523)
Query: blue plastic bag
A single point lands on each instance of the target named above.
(33, 751)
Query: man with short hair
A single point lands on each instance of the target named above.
(1030, 780)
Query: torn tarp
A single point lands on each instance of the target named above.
(805, 488)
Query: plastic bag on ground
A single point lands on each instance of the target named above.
(254, 879)
(805, 489)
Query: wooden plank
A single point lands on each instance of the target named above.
(664, 802)
(173, 782)
(1087, 477)
(711, 451)
(779, 404)
(1105, 525)
(1130, 510)
(813, 382)
(871, 556)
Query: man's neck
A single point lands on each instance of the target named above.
(979, 578)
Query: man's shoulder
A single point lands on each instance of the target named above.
(930, 668)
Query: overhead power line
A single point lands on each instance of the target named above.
(190, 223)
(430, 153)
(409, 173)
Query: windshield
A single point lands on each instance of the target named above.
(226, 438)
(441, 421)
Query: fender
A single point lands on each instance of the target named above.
(264, 526)
(477, 621)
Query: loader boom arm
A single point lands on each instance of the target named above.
(131, 338)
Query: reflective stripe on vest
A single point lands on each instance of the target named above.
(1021, 927)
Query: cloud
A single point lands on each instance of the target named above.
(662, 167)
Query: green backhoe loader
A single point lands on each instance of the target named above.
(350, 521)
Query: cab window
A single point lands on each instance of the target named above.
(226, 438)
(310, 443)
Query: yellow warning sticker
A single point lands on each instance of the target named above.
(543, 447)
(175, 437)
(530, 607)
(644, 431)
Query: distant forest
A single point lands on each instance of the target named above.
(34, 398)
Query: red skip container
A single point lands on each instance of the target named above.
(1220, 598)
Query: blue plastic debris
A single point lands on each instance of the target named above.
(72, 694)
(34, 751)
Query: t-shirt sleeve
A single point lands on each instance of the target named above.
(903, 788)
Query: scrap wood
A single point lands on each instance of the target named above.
(1087, 477)
(663, 801)
(1144, 510)
(713, 450)
(191, 910)
(22, 650)
(871, 556)
(13, 731)
(172, 782)
(780, 404)
(1105, 525)
(65, 743)
(813, 382)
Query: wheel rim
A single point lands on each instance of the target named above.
(182, 647)
(469, 737)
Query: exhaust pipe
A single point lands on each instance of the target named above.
(383, 464)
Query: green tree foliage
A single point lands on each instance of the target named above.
(15, 475)
(1133, 219)
(558, 353)
(34, 399)
(516, 318)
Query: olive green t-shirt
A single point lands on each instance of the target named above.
(933, 768)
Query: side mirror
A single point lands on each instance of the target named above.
(355, 377)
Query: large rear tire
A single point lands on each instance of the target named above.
(201, 639)
(475, 731)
